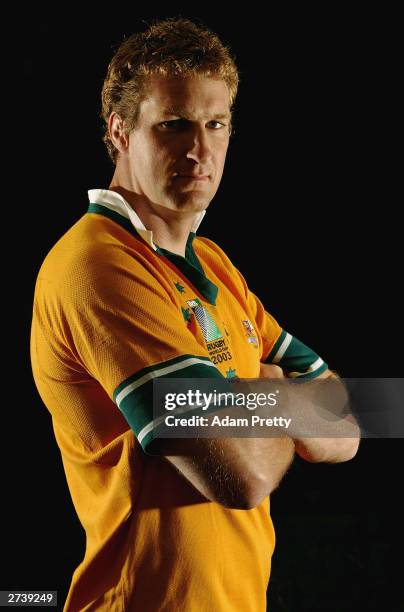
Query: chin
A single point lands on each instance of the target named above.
(187, 203)
(195, 206)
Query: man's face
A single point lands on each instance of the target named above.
(182, 130)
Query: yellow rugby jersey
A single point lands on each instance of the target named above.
(112, 311)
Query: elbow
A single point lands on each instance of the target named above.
(349, 449)
(247, 496)
(264, 481)
(327, 450)
(346, 450)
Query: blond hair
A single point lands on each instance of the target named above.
(173, 47)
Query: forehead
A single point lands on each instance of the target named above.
(195, 96)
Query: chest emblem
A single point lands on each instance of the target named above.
(250, 333)
(205, 320)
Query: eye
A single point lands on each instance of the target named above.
(218, 124)
(182, 124)
(174, 124)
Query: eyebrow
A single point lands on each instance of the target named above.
(183, 113)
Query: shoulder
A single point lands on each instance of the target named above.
(95, 254)
(209, 250)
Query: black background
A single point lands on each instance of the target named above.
(307, 210)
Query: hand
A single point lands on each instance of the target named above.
(270, 370)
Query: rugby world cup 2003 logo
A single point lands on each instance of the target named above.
(206, 322)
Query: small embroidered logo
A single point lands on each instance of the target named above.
(179, 287)
(231, 373)
(251, 337)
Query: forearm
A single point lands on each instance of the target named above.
(334, 437)
(337, 440)
(329, 450)
(235, 472)
(340, 441)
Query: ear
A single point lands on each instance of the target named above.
(116, 128)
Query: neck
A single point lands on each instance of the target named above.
(170, 228)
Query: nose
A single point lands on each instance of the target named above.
(199, 148)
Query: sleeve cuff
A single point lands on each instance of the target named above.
(134, 396)
(297, 359)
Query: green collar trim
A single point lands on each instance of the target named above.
(111, 214)
(190, 266)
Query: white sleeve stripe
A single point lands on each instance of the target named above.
(283, 347)
(147, 428)
(314, 366)
(157, 373)
(178, 411)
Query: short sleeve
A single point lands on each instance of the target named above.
(126, 329)
(282, 348)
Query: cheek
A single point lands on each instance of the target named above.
(145, 164)
(221, 158)
(146, 152)
(161, 158)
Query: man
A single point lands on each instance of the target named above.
(129, 294)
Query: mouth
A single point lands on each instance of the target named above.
(192, 177)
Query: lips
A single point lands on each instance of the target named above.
(194, 177)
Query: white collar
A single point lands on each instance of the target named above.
(114, 201)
